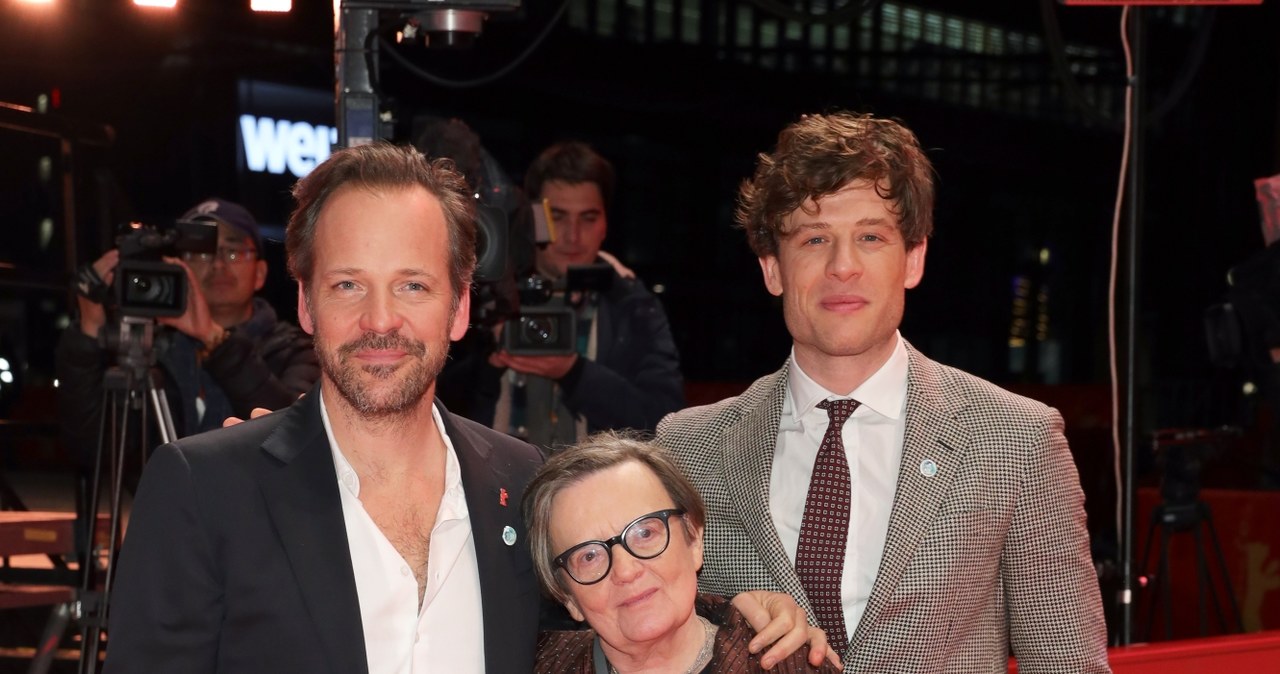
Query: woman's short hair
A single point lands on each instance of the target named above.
(821, 155)
(572, 465)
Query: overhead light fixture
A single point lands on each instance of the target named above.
(271, 5)
(451, 27)
(167, 4)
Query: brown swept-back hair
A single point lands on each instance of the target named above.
(822, 154)
(571, 465)
(571, 162)
(383, 166)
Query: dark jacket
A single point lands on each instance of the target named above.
(633, 382)
(264, 362)
(237, 561)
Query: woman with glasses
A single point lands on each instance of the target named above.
(616, 536)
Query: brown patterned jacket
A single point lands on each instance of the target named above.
(571, 652)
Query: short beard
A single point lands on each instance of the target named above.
(419, 374)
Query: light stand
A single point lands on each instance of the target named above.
(1130, 413)
(358, 116)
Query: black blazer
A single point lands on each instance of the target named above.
(236, 557)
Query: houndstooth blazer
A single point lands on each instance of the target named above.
(988, 554)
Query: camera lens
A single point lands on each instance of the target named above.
(149, 290)
(539, 330)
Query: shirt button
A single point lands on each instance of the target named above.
(417, 638)
(404, 571)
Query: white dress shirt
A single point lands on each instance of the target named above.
(873, 445)
(447, 634)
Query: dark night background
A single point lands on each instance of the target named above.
(1021, 168)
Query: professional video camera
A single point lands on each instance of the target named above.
(145, 285)
(536, 314)
(546, 323)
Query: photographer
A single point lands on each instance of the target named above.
(227, 354)
(625, 371)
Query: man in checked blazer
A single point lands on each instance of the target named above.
(966, 536)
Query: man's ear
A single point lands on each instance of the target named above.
(462, 316)
(915, 264)
(259, 274)
(305, 321)
(772, 274)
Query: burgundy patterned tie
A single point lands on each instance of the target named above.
(825, 528)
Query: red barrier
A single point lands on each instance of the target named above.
(1239, 654)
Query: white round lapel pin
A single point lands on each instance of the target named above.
(508, 535)
(928, 468)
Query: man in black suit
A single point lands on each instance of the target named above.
(365, 528)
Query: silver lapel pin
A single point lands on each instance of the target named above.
(508, 535)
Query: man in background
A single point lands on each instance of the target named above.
(623, 371)
(225, 355)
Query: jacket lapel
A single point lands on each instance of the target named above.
(300, 489)
(748, 447)
(493, 503)
(931, 434)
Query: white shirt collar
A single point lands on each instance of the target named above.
(883, 392)
(453, 495)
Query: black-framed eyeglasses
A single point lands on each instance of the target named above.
(227, 255)
(646, 537)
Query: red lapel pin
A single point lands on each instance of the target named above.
(502, 496)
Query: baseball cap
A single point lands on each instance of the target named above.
(229, 213)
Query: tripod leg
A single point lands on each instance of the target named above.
(53, 629)
(117, 519)
(1222, 565)
(93, 608)
(109, 402)
(164, 416)
(88, 598)
(1166, 592)
(1203, 583)
(1146, 556)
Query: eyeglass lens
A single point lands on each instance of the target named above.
(645, 538)
(228, 255)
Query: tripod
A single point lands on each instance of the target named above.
(130, 390)
(1182, 511)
